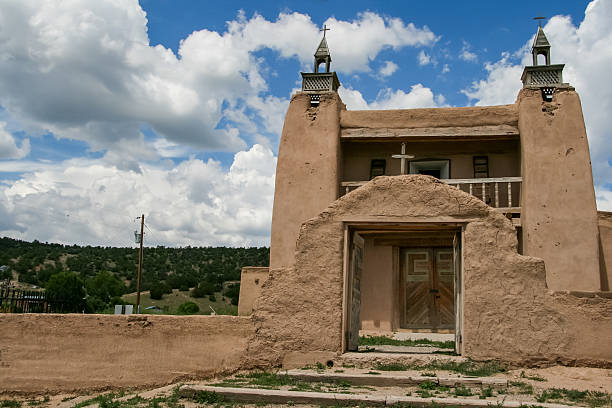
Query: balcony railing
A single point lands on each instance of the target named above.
(503, 193)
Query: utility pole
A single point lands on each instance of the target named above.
(139, 265)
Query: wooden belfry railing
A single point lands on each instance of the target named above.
(501, 192)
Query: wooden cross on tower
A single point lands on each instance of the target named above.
(540, 18)
(404, 158)
(324, 29)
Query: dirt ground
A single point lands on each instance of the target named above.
(577, 378)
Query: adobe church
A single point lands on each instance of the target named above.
(477, 221)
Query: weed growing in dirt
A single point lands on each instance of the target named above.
(470, 368)
(532, 377)
(207, 397)
(461, 391)
(388, 341)
(486, 392)
(591, 398)
(523, 387)
(10, 404)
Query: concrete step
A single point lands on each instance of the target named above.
(371, 359)
(391, 379)
(257, 395)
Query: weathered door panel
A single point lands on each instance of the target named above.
(416, 273)
(445, 284)
(427, 284)
(458, 292)
(356, 269)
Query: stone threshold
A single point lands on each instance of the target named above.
(385, 379)
(256, 395)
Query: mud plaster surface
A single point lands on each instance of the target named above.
(44, 352)
(509, 314)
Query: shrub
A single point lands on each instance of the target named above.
(188, 308)
(212, 298)
(156, 292)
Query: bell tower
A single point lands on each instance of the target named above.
(307, 170)
(314, 83)
(547, 77)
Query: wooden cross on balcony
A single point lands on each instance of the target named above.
(404, 159)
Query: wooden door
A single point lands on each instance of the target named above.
(445, 286)
(458, 292)
(355, 268)
(427, 288)
(417, 281)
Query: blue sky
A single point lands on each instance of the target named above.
(114, 108)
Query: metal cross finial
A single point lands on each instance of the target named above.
(404, 159)
(324, 29)
(540, 18)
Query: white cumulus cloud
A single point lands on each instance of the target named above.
(586, 51)
(418, 97)
(193, 203)
(8, 146)
(423, 58)
(388, 69)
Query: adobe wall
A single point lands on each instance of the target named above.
(377, 287)
(430, 117)
(559, 213)
(47, 352)
(508, 312)
(306, 171)
(251, 279)
(605, 249)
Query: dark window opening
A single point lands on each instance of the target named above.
(481, 166)
(430, 172)
(377, 168)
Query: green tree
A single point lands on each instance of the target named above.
(66, 287)
(104, 286)
(157, 291)
(188, 308)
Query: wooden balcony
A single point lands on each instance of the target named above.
(503, 193)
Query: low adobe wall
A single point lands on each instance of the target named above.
(52, 353)
(509, 314)
(251, 279)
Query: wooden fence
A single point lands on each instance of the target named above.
(13, 300)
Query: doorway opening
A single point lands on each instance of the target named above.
(403, 282)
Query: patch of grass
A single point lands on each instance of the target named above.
(532, 377)
(36, 402)
(424, 394)
(486, 392)
(348, 365)
(10, 404)
(208, 397)
(428, 385)
(462, 391)
(391, 367)
(338, 371)
(591, 398)
(523, 387)
(169, 303)
(388, 341)
(103, 401)
(469, 368)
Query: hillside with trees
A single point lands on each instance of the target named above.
(99, 276)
